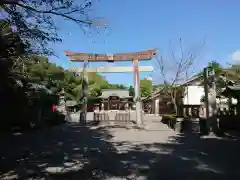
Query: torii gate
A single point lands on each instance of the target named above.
(135, 57)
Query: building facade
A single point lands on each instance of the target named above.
(115, 99)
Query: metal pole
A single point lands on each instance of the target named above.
(137, 92)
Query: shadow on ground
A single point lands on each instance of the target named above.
(75, 152)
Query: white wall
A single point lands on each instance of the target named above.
(193, 95)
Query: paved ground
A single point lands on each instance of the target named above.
(75, 152)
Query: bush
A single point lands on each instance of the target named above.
(55, 119)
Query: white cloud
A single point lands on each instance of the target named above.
(236, 55)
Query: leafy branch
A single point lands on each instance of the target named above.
(34, 20)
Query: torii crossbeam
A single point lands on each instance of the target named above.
(118, 57)
(117, 69)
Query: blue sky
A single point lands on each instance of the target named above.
(146, 24)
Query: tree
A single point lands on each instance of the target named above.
(33, 20)
(131, 91)
(145, 87)
(13, 90)
(26, 28)
(157, 87)
(233, 73)
(174, 70)
(12, 48)
(220, 80)
(216, 66)
(225, 76)
(116, 86)
(96, 84)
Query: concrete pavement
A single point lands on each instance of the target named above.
(72, 151)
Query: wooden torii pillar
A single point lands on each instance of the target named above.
(135, 57)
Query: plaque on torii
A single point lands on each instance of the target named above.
(118, 57)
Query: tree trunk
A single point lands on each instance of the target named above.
(176, 108)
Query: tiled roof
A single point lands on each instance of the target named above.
(122, 93)
(193, 78)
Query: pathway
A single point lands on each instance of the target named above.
(75, 152)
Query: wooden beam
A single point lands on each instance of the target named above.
(92, 57)
(118, 69)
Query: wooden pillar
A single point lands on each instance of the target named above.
(205, 74)
(153, 106)
(198, 111)
(102, 105)
(137, 97)
(156, 106)
(83, 113)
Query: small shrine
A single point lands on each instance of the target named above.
(115, 99)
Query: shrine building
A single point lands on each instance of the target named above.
(115, 99)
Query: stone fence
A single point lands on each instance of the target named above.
(194, 120)
(118, 115)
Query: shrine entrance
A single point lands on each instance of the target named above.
(113, 101)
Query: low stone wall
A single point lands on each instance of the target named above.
(124, 116)
(72, 117)
(185, 125)
(100, 116)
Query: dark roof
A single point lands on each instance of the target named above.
(193, 78)
(154, 94)
(233, 91)
(122, 93)
(234, 88)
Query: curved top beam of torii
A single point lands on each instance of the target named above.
(93, 57)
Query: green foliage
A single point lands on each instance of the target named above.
(96, 84)
(25, 32)
(116, 86)
(231, 74)
(34, 20)
(155, 87)
(170, 116)
(11, 51)
(146, 87)
(216, 66)
(131, 91)
(40, 70)
(26, 29)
